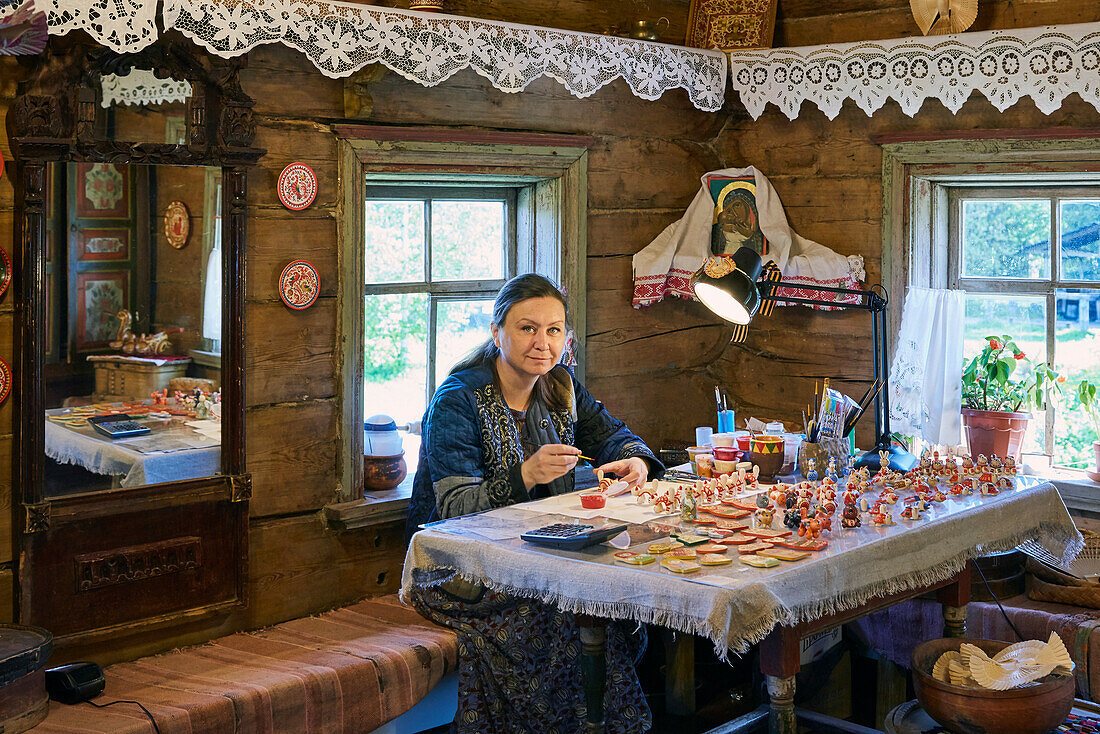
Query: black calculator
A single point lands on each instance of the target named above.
(571, 536)
(118, 425)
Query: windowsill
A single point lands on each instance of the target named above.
(373, 509)
(206, 359)
(1077, 490)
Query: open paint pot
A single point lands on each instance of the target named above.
(767, 453)
(727, 453)
(593, 500)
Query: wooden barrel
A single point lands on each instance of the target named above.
(23, 699)
(1003, 571)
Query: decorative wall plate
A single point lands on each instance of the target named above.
(299, 285)
(5, 380)
(177, 224)
(5, 271)
(297, 186)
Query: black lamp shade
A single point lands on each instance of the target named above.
(734, 296)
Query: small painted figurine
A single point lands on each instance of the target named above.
(849, 518)
(762, 501)
(1010, 466)
(811, 470)
(911, 512)
(968, 466)
(826, 521)
(994, 462)
(961, 490)
(689, 511)
(828, 507)
(830, 471)
(1005, 482)
(938, 495)
(792, 519)
(160, 397)
(809, 528)
(988, 488)
(763, 517)
(882, 517)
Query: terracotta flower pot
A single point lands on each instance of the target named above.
(1095, 475)
(995, 432)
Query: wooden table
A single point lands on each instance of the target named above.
(481, 547)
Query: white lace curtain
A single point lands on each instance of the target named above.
(340, 38)
(1044, 63)
(926, 374)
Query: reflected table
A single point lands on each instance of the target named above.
(176, 448)
(737, 606)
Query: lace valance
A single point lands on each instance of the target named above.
(1046, 64)
(340, 38)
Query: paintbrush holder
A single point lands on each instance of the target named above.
(838, 448)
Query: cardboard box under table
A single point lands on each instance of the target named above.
(736, 606)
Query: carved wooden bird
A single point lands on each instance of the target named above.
(944, 16)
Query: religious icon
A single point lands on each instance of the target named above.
(736, 221)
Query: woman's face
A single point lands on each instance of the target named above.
(532, 336)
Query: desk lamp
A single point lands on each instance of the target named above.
(737, 296)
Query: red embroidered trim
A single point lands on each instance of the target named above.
(649, 289)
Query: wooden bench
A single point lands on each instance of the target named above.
(348, 670)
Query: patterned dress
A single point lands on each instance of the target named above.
(519, 659)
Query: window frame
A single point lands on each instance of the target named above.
(917, 168)
(439, 291)
(551, 174)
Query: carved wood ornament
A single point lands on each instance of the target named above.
(57, 117)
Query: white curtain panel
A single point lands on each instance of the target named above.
(926, 374)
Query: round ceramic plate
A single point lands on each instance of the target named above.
(5, 380)
(299, 285)
(177, 224)
(5, 271)
(297, 186)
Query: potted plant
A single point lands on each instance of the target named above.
(1086, 394)
(995, 412)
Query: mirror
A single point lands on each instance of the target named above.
(132, 373)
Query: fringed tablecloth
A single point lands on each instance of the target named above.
(735, 606)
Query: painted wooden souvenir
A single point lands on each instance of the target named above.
(684, 554)
(634, 559)
(989, 488)
(759, 561)
(1009, 463)
(753, 547)
(783, 554)
(792, 519)
(664, 546)
(765, 533)
(297, 186)
(5, 380)
(680, 566)
(849, 518)
(714, 559)
(5, 271)
(299, 285)
(882, 517)
(177, 224)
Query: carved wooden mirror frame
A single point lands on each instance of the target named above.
(143, 549)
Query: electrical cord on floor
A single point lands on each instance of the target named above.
(112, 703)
(1003, 612)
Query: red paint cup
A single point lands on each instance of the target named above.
(593, 500)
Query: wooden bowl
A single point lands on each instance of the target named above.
(1034, 709)
(383, 472)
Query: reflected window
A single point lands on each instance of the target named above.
(1029, 259)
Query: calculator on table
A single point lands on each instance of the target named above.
(118, 425)
(571, 536)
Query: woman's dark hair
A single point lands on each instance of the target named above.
(554, 389)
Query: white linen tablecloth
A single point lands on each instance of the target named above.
(736, 605)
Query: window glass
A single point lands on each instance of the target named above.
(1005, 238)
(468, 240)
(1024, 319)
(395, 354)
(1077, 346)
(394, 241)
(1080, 239)
(461, 326)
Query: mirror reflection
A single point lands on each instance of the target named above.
(132, 374)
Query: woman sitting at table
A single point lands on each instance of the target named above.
(507, 426)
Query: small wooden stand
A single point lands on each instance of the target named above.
(125, 378)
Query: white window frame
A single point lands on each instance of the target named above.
(917, 174)
(550, 175)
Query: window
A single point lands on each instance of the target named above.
(435, 258)
(1029, 259)
(212, 276)
(422, 262)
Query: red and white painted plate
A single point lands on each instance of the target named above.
(5, 271)
(297, 186)
(299, 285)
(5, 380)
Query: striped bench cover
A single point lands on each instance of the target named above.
(348, 670)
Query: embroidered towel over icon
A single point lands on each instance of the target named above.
(665, 265)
